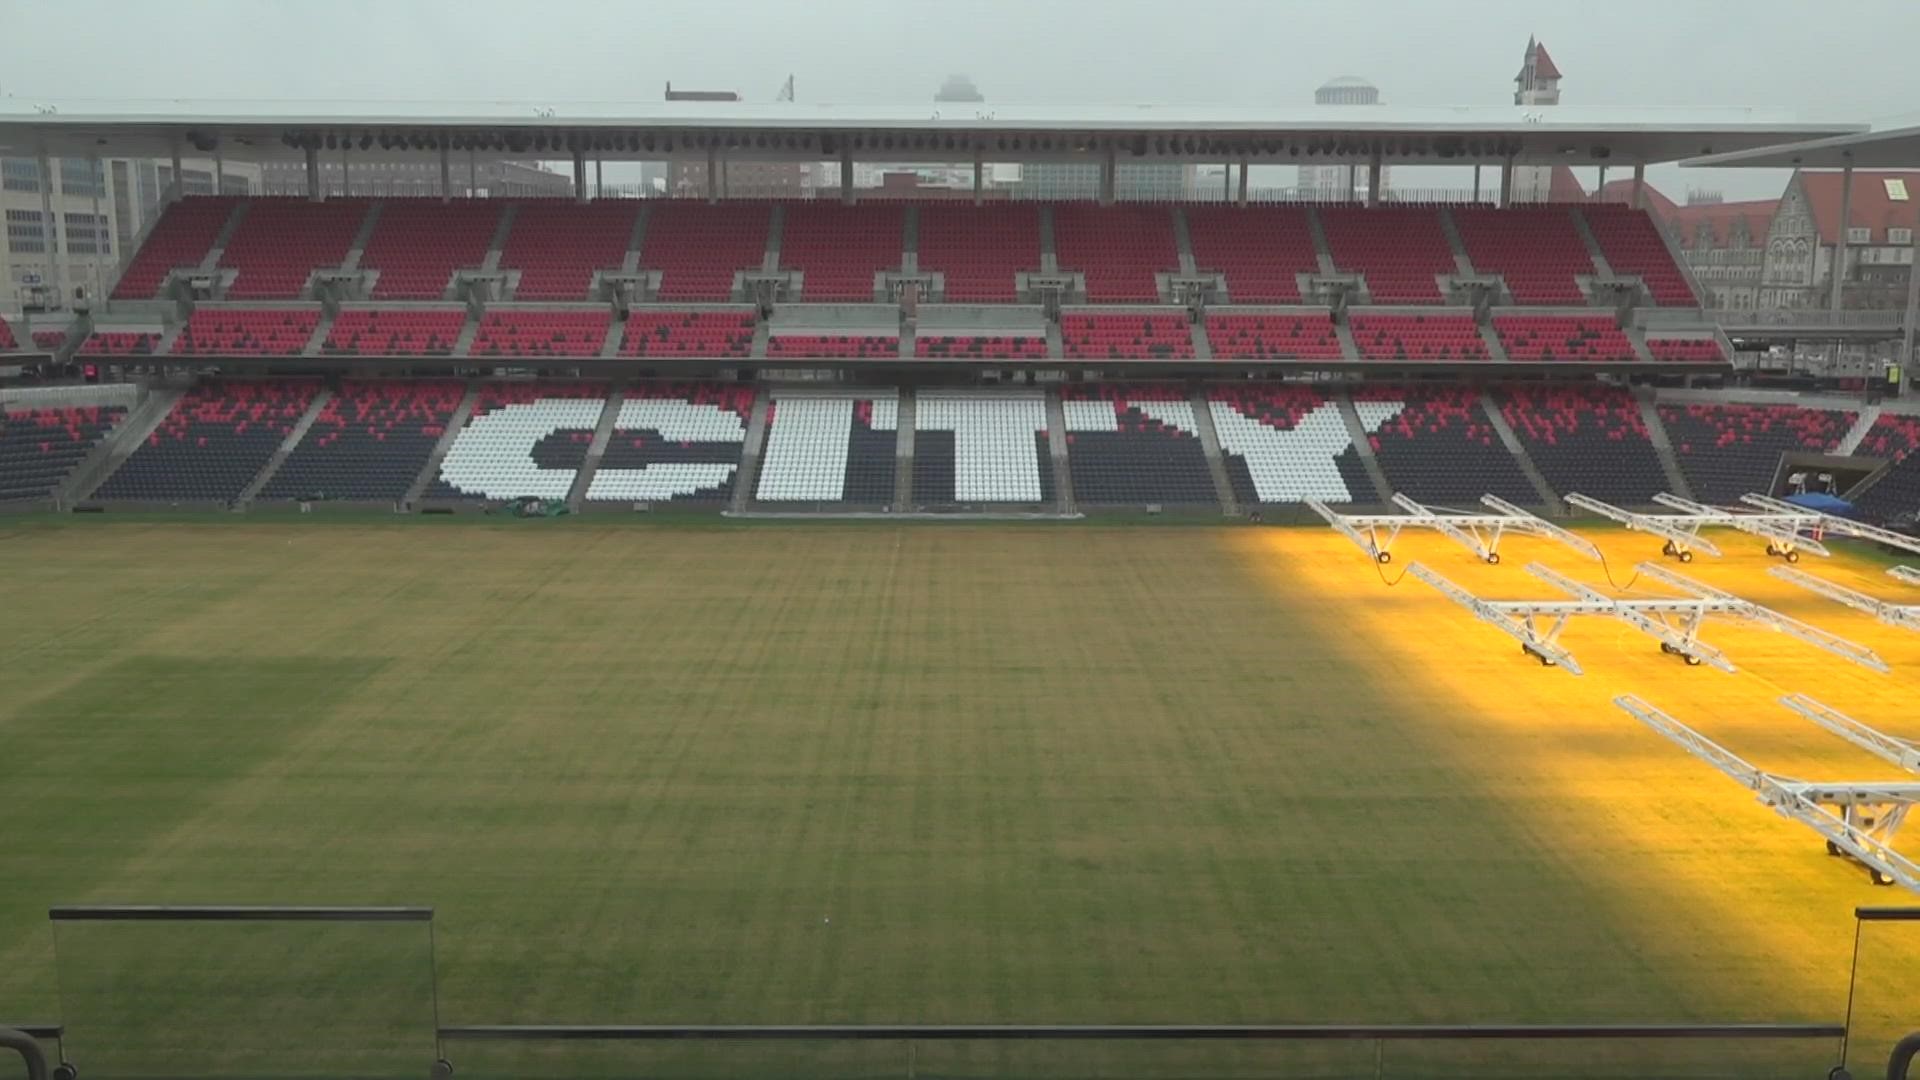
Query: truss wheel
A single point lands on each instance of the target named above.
(1667, 548)
(1493, 558)
(1384, 558)
(1833, 849)
(1686, 556)
(1792, 556)
(442, 1069)
(65, 1071)
(1771, 550)
(1878, 878)
(1666, 648)
(1839, 1072)
(1692, 660)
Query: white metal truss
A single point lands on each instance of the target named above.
(1828, 524)
(1858, 819)
(1674, 622)
(1680, 531)
(1788, 530)
(1890, 748)
(1478, 533)
(1905, 573)
(1905, 616)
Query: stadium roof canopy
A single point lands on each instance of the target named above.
(1892, 148)
(276, 130)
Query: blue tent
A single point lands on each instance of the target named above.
(1820, 502)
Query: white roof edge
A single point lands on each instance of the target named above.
(1891, 148)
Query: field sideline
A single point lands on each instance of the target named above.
(802, 773)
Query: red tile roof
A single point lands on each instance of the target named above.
(1543, 65)
(1872, 207)
(1718, 219)
(1621, 191)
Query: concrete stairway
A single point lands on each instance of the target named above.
(1320, 248)
(616, 336)
(499, 242)
(1600, 264)
(211, 261)
(776, 229)
(1461, 261)
(1049, 255)
(1548, 497)
(461, 414)
(753, 446)
(910, 240)
(1216, 461)
(320, 331)
(1202, 346)
(597, 449)
(361, 238)
(1496, 348)
(113, 450)
(279, 458)
(1349, 348)
(903, 452)
(1850, 443)
(1363, 445)
(1063, 499)
(636, 240)
(463, 345)
(1056, 342)
(1662, 445)
(1184, 239)
(1638, 339)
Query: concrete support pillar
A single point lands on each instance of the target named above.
(1373, 179)
(346, 172)
(473, 173)
(446, 171)
(1639, 184)
(1601, 184)
(219, 171)
(580, 176)
(1243, 183)
(846, 173)
(1226, 182)
(179, 185)
(1353, 183)
(713, 174)
(599, 178)
(1912, 320)
(1476, 182)
(1838, 271)
(1109, 168)
(315, 192)
(978, 169)
(1506, 182)
(50, 231)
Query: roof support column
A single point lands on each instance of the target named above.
(1226, 182)
(346, 181)
(713, 174)
(977, 170)
(1838, 272)
(473, 172)
(50, 229)
(446, 171)
(846, 172)
(314, 193)
(1108, 168)
(599, 177)
(1243, 183)
(1373, 179)
(179, 186)
(1639, 184)
(579, 176)
(1353, 183)
(1476, 181)
(219, 171)
(1601, 184)
(1506, 182)
(1913, 305)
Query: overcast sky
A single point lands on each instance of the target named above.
(1789, 54)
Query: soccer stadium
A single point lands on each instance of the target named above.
(923, 630)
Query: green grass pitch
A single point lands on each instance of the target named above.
(804, 774)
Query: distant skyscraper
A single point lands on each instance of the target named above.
(1341, 181)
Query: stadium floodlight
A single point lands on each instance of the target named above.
(1682, 541)
(1890, 748)
(1838, 526)
(1479, 533)
(1906, 617)
(1857, 819)
(1675, 622)
(1904, 573)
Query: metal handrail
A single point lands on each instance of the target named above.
(1904, 1053)
(1137, 1032)
(29, 1049)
